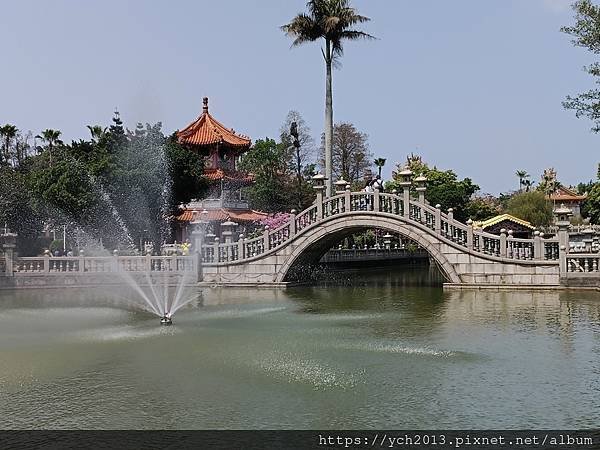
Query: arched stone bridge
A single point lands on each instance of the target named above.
(464, 255)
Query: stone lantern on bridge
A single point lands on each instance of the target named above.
(421, 187)
(405, 182)
(228, 231)
(562, 221)
(319, 187)
(340, 186)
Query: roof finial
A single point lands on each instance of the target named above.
(205, 104)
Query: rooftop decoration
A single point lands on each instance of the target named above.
(206, 130)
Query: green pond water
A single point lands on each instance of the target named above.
(377, 349)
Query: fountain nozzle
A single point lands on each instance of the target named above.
(166, 320)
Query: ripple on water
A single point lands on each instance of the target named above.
(386, 347)
(294, 368)
(239, 313)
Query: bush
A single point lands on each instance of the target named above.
(531, 206)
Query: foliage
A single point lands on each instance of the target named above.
(531, 206)
(586, 34)
(592, 204)
(443, 186)
(483, 207)
(334, 21)
(352, 157)
(120, 185)
(379, 163)
(298, 151)
(274, 221)
(266, 160)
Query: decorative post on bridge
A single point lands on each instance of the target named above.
(198, 238)
(293, 213)
(266, 239)
(503, 243)
(8, 245)
(319, 187)
(537, 245)
(563, 223)
(421, 187)
(470, 234)
(241, 252)
(347, 199)
(227, 234)
(340, 188)
(405, 182)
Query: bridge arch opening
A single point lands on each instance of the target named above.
(311, 246)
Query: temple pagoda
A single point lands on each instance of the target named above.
(221, 148)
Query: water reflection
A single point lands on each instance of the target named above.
(375, 350)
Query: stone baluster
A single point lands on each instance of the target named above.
(562, 259)
(376, 199)
(46, 261)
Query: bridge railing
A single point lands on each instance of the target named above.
(582, 263)
(418, 212)
(101, 264)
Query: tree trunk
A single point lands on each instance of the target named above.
(328, 119)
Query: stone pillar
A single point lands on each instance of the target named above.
(216, 258)
(46, 261)
(503, 243)
(241, 247)
(438, 219)
(470, 234)
(319, 187)
(266, 239)
(376, 207)
(405, 182)
(293, 223)
(562, 259)
(538, 246)
(347, 199)
(450, 214)
(9, 258)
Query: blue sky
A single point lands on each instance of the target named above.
(470, 85)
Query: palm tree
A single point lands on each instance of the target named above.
(8, 133)
(379, 162)
(97, 132)
(333, 21)
(522, 174)
(52, 139)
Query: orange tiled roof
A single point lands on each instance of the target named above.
(563, 194)
(205, 130)
(222, 215)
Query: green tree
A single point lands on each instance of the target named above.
(266, 160)
(483, 207)
(586, 34)
(334, 21)
(379, 163)
(299, 151)
(532, 206)
(443, 186)
(52, 139)
(8, 132)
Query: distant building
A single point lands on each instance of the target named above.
(222, 148)
(568, 198)
(520, 228)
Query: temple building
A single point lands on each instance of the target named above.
(225, 203)
(568, 198)
(520, 228)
